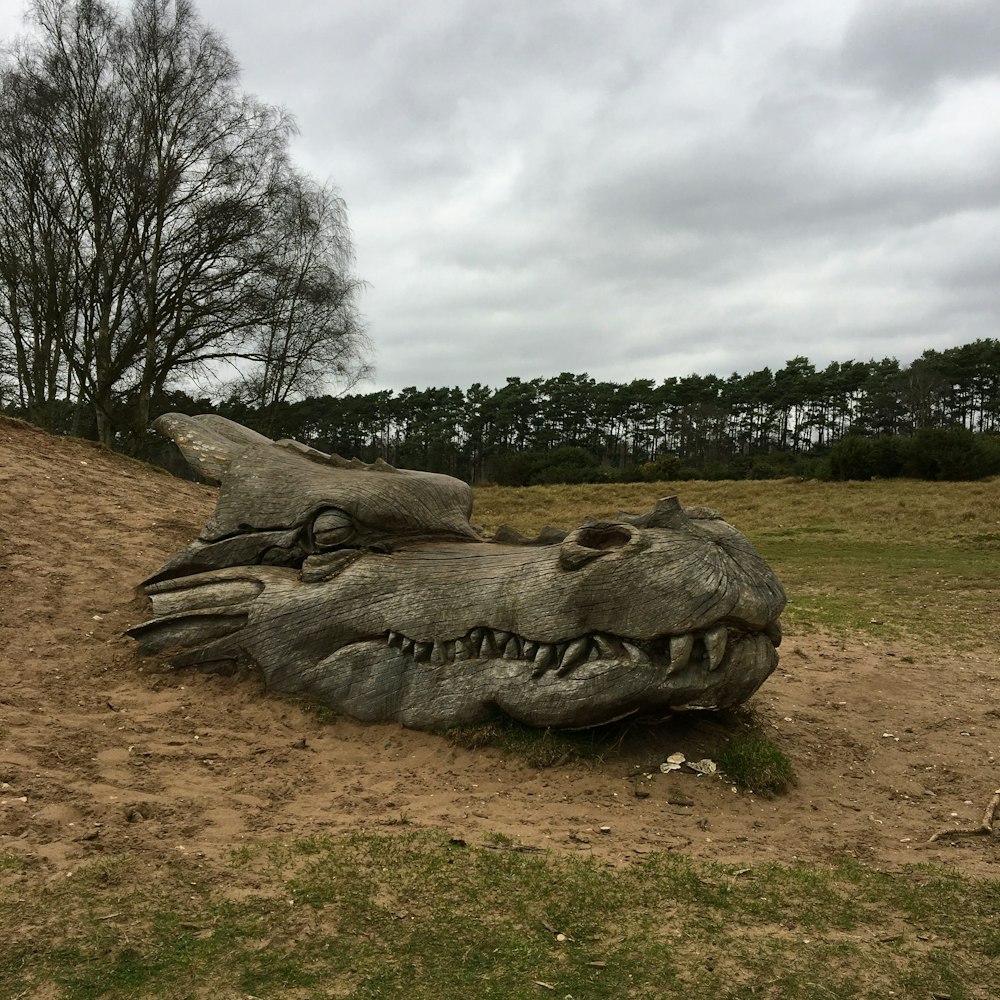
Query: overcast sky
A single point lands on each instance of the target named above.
(646, 188)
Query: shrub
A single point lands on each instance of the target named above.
(952, 453)
(663, 468)
(537, 468)
(857, 457)
(936, 453)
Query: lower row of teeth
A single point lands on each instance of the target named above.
(708, 646)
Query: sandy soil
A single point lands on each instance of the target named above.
(103, 752)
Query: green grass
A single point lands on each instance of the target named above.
(12, 863)
(322, 713)
(734, 739)
(415, 915)
(920, 589)
(753, 762)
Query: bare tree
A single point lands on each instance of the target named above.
(308, 330)
(37, 290)
(149, 210)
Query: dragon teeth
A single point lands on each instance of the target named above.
(486, 644)
(608, 646)
(512, 649)
(715, 645)
(680, 651)
(489, 650)
(636, 656)
(544, 658)
(443, 652)
(475, 641)
(576, 652)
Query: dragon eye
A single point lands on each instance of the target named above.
(332, 527)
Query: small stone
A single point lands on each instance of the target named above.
(605, 829)
(704, 766)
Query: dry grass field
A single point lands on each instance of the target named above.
(175, 835)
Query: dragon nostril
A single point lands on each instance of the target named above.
(592, 541)
(603, 537)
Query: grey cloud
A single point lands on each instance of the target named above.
(643, 189)
(907, 46)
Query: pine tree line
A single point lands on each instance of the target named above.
(938, 417)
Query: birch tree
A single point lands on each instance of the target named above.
(147, 213)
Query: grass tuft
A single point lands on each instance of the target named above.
(753, 762)
(539, 748)
(323, 713)
(12, 863)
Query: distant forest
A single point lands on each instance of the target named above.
(936, 418)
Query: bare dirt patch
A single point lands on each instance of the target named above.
(104, 753)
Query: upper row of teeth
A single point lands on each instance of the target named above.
(490, 644)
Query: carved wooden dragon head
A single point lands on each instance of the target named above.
(367, 587)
